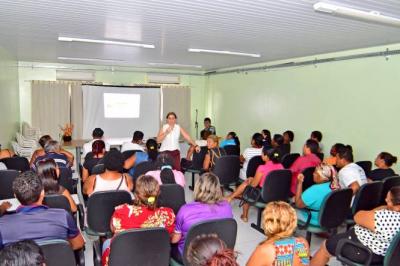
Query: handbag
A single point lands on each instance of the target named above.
(250, 195)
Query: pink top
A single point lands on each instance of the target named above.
(267, 168)
(179, 177)
(301, 163)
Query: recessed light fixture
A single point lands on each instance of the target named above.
(174, 65)
(89, 59)
(196, 50)
(346, 12)
(72, 39)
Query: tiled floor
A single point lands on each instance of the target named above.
(247, 237)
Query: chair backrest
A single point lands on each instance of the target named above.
(65, 179)
(98, 169)
(288, 159)
(335, 208)
(147, 247)
(57, 201)
(388, 183)
(277, 186)
(392, 256)
(6, 179)
(198, 158)
(57, 253)
(227, 168)
(142, 168)
(308, 177)
(232, 150)
(366, 166)
(225, 229)
(367, 197)
(254, 163)
(17, 163)
(172, 196)
(100, 207)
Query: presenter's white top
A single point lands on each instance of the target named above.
(171, 141)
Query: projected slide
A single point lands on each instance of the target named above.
(121, 105)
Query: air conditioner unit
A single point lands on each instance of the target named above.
(157, 78)
(75, 75)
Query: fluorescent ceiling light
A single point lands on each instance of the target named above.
(195, 50)
(71, 39)
(346, 12)
(175, 65)
(89, 59)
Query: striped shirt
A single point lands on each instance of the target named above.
(60, 159)
(248, 154)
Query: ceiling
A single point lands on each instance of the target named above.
(276, 29)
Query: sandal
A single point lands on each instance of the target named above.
(244, 219)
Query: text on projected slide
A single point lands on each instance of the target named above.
(119, 105)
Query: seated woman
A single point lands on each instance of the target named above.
(325, 177)
(214, 152)
(279, 144)
(144, 212)
(6, 153)
(40, 152)
(383, 161)
(374, 229)
(266, 134)
(331, 160)
(49, 172)
(254, 150)
(152, 149)
(112, 178)
(230, 139)
(165, 174)
(279, 223)
(97, 154)
(208, 204)
(272, 162)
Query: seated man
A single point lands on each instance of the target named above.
(40, 152)
(35, 221)
(97, 133)
(208, 127)
(52, 150)
(22, 253)
(136, 144)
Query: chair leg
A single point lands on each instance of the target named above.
(191, 187)
(308, 238)
(258, 225)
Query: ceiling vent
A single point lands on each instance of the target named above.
(157, 78)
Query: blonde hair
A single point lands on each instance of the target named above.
(279, 220)
(214, 138)
(147, 190)
(207, 189)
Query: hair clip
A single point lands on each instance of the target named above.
(151, 199)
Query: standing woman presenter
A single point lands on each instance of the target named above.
(169, 139)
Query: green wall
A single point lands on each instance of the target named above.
(9, 98)
(354, 102)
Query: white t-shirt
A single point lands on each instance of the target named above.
(248, 154)
(87, 147)
(3, 166)
(201, 142)
(351, 173)
(171, 140)
(129, 146)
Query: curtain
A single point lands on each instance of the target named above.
(77, 109)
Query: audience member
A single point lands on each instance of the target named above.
(202, 142)
(6, 153)
(35, 221)
(97, 134)
(4, 206)
(230, 139)
(266, 138)
(374, 229)
(144, 212)
(213, 154)
(208, 205)
(22, 253)
(136, 143)
(93, 158)
(308, 159)
(383, 161)
(317, 136)
(112, 178)
(152, 149)
(254, 150)
(40, 152)
(277, 143)
(325, 178)
(208, 127)
(272, 162)
(209, 250)
(52, 151)
(165, 174)
(281, 247)
(49, 173)
(331, 160)
(288, 137)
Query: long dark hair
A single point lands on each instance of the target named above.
(47, 171)
(98, 147)
(152, 149)
(235, 137)
(164, 163)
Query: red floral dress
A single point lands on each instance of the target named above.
(129, 216)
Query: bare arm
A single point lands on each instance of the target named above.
(69, 155)
(355, 187)
(242, 159)
(88, 186)
(130, 162)
(70, 200)
(129, 182)
(299, 190)
(366, 219)
(162, 134)
(77, 242)
(264, 255)
(175, 237)
(187, 137)
(85, 174)
(256, 180)
(206, 162)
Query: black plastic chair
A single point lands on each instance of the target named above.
(16, 163)
(253, 164)
(65, 180)
(392, 256)
(308, 177)
(333, 212)
(288, 159)
(6, 179)
(140, 247)
(59, 253)
(227, 168)
(367, 198)
(232, 150)
(388, 183)
(225, 229)
(172, 196)
(197, 164)
(98, 169)
(366, 166)
(276, 187)
(142, 168)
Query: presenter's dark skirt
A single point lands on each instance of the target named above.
(176, 158)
